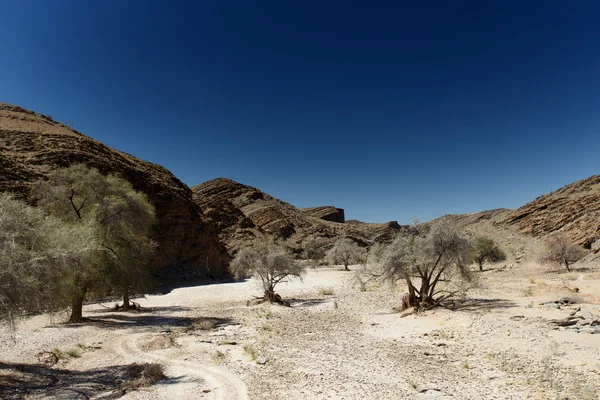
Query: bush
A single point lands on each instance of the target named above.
(141, 375)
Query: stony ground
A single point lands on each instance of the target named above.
(335, 342)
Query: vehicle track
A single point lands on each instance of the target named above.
(223, 384)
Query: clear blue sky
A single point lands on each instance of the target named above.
(389, 110)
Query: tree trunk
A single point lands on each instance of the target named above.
(481, 265)
(346, 267)
(126, 302)
(412, 298)
(270, 295)
(77, 308)
(567, 265)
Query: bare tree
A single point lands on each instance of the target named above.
(560, 250)
(485, 249)
(269, 262)
(117, 221)
(424, 261)
(346, 252)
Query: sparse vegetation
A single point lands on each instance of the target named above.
(136, 376)
(345, 252)
(268, 261)
(560, 250)
(251, 351)
(313, 249)
(423, 261)
(485, 249)
(325, 291)
(204, 324)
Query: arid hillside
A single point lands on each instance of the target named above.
(242, 213)
(573, 210)
(32, 144)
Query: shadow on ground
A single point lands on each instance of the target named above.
(18, 381)
(148, 319)
(482, 304)
(307, 302)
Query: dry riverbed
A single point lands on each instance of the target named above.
(335, 342)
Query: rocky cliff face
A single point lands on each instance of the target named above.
(243, 213)
(573, 210)
(327, 213)
(32, 144)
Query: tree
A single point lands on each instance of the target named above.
(314, 248)
(346, 252)
(423, 261)
(486, 249)
(117, 221)
(25, 268)
(561, 251)
(269, 262)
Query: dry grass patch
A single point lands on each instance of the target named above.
(136, 376)
(325, 291)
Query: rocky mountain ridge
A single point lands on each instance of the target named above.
(32, 144)
(243, 213)
(573, 210)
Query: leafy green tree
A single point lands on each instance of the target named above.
(485, 249)
(117, 221)
(423, 261)
(269, 262)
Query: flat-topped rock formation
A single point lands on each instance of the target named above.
(243, 213)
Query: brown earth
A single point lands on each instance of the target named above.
(573, 210)
(242, 213)
(32, 144)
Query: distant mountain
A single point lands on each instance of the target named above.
(242, 213)
(32, 144)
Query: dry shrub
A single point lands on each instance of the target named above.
(204, 324)
(141, 375)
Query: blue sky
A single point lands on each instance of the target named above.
(389, 110)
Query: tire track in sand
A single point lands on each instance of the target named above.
(224, 385)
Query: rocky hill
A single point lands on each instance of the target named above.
(32, 144)
(573, 210)
(242, 213)
(328, 213)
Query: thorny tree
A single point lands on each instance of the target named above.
(346, 252)
(269, 262)
(424, 261)
(561, 251)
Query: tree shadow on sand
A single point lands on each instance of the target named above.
(18, 381)
(155, 317)
(307, 302)
(482, 304)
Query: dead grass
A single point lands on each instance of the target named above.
(136, 376)
(325, 291)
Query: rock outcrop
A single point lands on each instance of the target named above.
(327, 213)
(242, 213)
(573, 210)
(32, 144)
